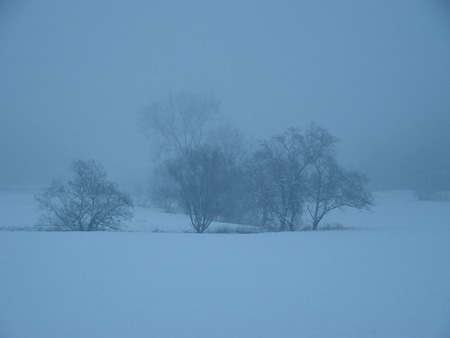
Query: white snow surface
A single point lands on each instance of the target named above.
(388, 276)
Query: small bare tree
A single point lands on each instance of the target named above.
(88, 203)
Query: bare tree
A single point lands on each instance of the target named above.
(263, 191)
(180, 122)
(202, 175)
(294, 170)
(88, 203)
(281, 163)
(329, 186)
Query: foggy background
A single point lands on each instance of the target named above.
(75, 74)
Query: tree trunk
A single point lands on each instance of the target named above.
(315, 224)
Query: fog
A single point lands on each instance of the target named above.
(74, 76)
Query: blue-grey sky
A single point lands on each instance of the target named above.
(75, 74)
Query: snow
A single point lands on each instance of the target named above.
(18, 209)
(389, 276)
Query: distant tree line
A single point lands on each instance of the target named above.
(213, 172)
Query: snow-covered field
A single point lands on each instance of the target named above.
(387, 277)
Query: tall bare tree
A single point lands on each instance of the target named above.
(202, 175)
(180, 122)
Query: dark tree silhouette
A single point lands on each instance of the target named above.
(202, 175)
(331, 187)
(295, 171)
(279, 181)
(88, 203)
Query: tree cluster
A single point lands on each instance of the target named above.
(286, 183)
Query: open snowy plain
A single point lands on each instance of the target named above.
(388, 276)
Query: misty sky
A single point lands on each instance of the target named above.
(75, 74)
